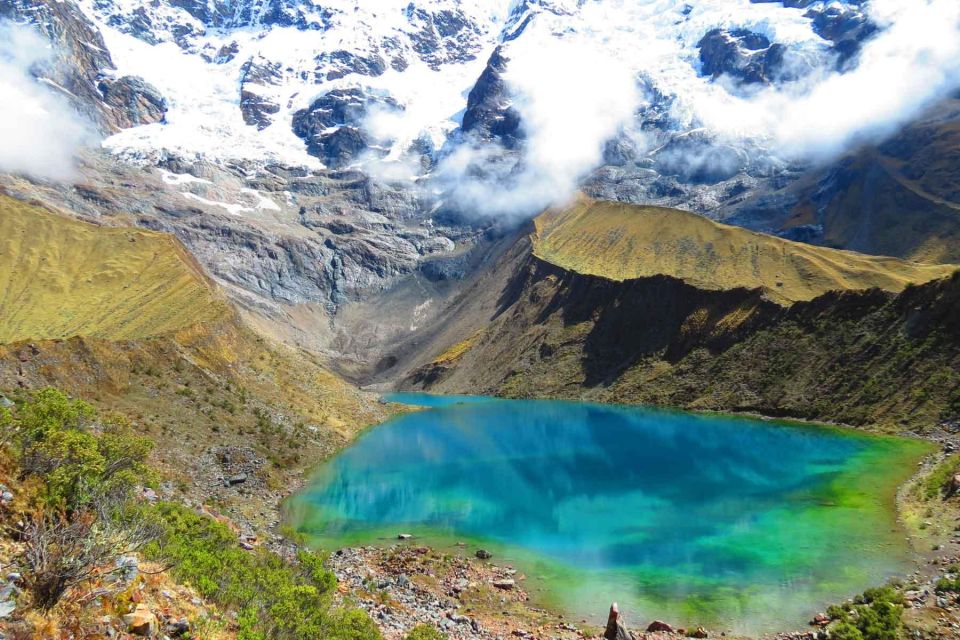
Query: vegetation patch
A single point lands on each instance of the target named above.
(623, 241)
(78, 513)
(60, 277)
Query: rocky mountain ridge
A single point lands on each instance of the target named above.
(863, 357)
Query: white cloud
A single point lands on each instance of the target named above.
(574, 78)
(572, 97)
(40, 132)
(913, 62)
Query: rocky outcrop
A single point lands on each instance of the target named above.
(489, 114)
(81, 67)
(846, 25)
(334, 65)
(747, 56)
(331, 125)
(615, 629)
(133, 101)
(443, 36)
(255, 76)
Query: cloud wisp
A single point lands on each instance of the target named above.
(40, 131)
(574, 79)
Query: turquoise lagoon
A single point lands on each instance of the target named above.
(742, 524)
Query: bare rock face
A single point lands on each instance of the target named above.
(256, 108)
(133, 101)
(331, 125)
(749, 57)
(489, 114)
(615, 628)
(81, 64)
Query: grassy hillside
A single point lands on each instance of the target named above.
(623, 242)
(126, 319)
(60, 277)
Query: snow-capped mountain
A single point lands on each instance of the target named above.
(392, 83)
(312, 151)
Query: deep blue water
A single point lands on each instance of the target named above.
(730, 521)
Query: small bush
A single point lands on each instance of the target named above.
(425, 632)
(273, 599)
(937, 483)
(876, 615)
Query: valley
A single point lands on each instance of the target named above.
(462, 320)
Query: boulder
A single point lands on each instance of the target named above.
(404, 536)
(659, 625)
(141, 621)
(699, 632)
(240, 478)
(483, 554)
(953, 485)
(177, 628)
(615, 628)
(507, 584)
(820, 620)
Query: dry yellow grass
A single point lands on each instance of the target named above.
(622, 242)
(60, 277)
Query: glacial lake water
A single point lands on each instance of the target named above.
(741, 524)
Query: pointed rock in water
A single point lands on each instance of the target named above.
(483, 554)
(404, 536)
(615, 629)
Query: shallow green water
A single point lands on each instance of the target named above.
(744, 524)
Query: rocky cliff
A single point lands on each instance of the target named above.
(860, 356)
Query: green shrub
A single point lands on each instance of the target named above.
(274, 599)
(56, 443)
(425, 632)
(936, 483)
(948, 584)
(876, 615)
(84, 517)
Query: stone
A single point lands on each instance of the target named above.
(615, 628)
(659, 625)
(507, 584)
(483, 554)
(240, 478)
(128, 567)
(954, 485)
(141, 621)
(404, 536)
(699, 632)
(820, 620)
(177, 628)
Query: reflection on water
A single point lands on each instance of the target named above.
(704, 517)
